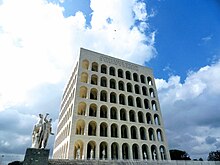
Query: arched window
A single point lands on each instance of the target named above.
(112, 84)
(125, 151)
(137, 89)
(103, 129)
(91, 148)
(123, 114)
(128, 75)
(142, 79)
(151, 91)
(81, 108)
(78, 149)
(163, 153)
(84, 77)
(95, 66)
(114, 130)
(83, 92)
(112, 97)
(103, 150)
(129, 87)
(135, 77)
(80, 126)
(112, 71)
(149, 118)
(138, 102)
(93, 94)
(124, 132)
(156, 119)
(122, 99)
(140, 117)
(159, 135)
(103, 82)
(92, 110)
(132, 115)
(121, 85)
(154, 105)
(133, 132)
(103, 69)
(114, 151)
(145, 151)
(113, 112)
(154, 153)
(144, 91)
(149, 81)
(151, 134)
(103, 96)
(130, 101)
(103, 111)
(135, 151)
(120, 73)
(94, 79)
(143, 134)
(85, 64)
(92, 128)
(146, 104)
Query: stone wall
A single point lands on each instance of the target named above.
(128, 162)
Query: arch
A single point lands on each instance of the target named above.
(140, 117)
(149, 118)
(81, 108)
(159, 135)
(143, 133)
(135, 151)
(120, 73)
(112, 84)
(83, 92)
(145, 151)
(94, 79)
(113, 97)
(156, 119)
(104, 69)
(84, 77)
(142, 79)
(113, 113)
(123, 114)
(114, 150)
(135, 77)
(144, 91)
(95, 66)
(132, 115)
(93, 94)
(129, 87)
(128, 75)
(103, 111)
(80, 126)
(121, 85)
(91, 148)
(151, 134)
(103, 96)
(103, 82)
(85, 64)
(78, 149)
(154, 105)
(134, 132)
(122, 99)
(151, 91)
(163, 153)
(92, 110)
(114, 130)
(154, 153)
(138, 102)
(112, 71)
(124, 131)
(137, 89)
(103, 129)
(146, 104)
(125, 151)
(149, 80)
(103, 150)
(92, 128)
(130, 101)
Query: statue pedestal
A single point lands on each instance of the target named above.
(35, 156)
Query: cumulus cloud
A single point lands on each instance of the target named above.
(193, 107)
(38, 47)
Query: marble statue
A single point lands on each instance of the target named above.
(103, 154)
(78, 153)
(91, 154)
(42, 130)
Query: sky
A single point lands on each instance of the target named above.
(179, 40)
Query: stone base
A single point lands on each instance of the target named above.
(36, 156)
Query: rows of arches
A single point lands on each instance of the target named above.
(115, 131)
(120, 85)
(113, 150)
(118, 114)
(117, 72)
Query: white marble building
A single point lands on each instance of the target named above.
(110, 110)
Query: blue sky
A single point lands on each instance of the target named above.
(178, 39)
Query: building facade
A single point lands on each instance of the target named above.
(110, 110)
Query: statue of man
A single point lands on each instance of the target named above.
(38, 127)
(78, 153)
(103, 154)
(47, 130)
(91, 154)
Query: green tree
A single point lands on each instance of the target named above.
(214, 156)
(179, 155)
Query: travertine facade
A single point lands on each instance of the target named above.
(110, 110)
